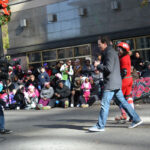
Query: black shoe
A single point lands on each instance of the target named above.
(5, 131)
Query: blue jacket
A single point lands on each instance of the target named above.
(43, 77)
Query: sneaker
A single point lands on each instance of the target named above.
(96, 129)
(66, 104)
(133, 125)
(40, 106)
(122, 117)
(18, 108)
(72, 105)
(46, 107)
(84, 105)
(27, 108)
(78, 105)
(5, 131)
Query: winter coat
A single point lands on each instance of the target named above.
(20, 98)
(97, 78)
(43, 77)
(19, 73)
(47, 93)
(77, 70)
(136, 63)
(66, 76)
(86, 86)
(111, 69)
(125, 63)
(77, 87)
(11, 86)
(87, 70)
(63, 92)
(34, 83)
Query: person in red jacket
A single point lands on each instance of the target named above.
(127, 81)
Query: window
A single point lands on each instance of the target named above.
(145, 55)
(34, 57)
(143, 42)
(65, 53)
(49, 55)
(82, 51)
(36, 65)
(52, 56)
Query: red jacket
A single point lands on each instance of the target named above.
(125, 63)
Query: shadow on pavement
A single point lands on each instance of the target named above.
(59, 126)
(2, 139)
(76, 120)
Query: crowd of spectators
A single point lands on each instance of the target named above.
(64, 85)
(68, 84)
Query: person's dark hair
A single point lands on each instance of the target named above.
(99, 54)
(9, 80)
(60, 81)
(57, 62)
(104, 39)
(137, 52)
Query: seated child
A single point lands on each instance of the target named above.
(32, 97)
(12, 101)
(76, 92)
(86, 87)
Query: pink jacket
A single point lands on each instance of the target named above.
(86, 86)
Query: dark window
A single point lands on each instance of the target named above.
(82, 51)
(65, 53)
(143, 42)
(49, 55)
(34, 57)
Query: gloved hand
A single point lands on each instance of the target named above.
(123, 72)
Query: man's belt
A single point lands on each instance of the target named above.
(127, 77)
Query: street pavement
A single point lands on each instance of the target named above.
(66, 129)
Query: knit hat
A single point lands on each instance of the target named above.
(11, 68)
(31, 87)
(47, 83)
(29, 72)
(83, 79)
(45, 64)
(58, 75)
(90, 78)
(77, 60)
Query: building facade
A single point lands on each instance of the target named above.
(52, 30)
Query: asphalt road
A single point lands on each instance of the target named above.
(66, 129)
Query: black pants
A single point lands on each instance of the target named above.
(53, 102)
(75, 98)
(91, 100)
(2, 120)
